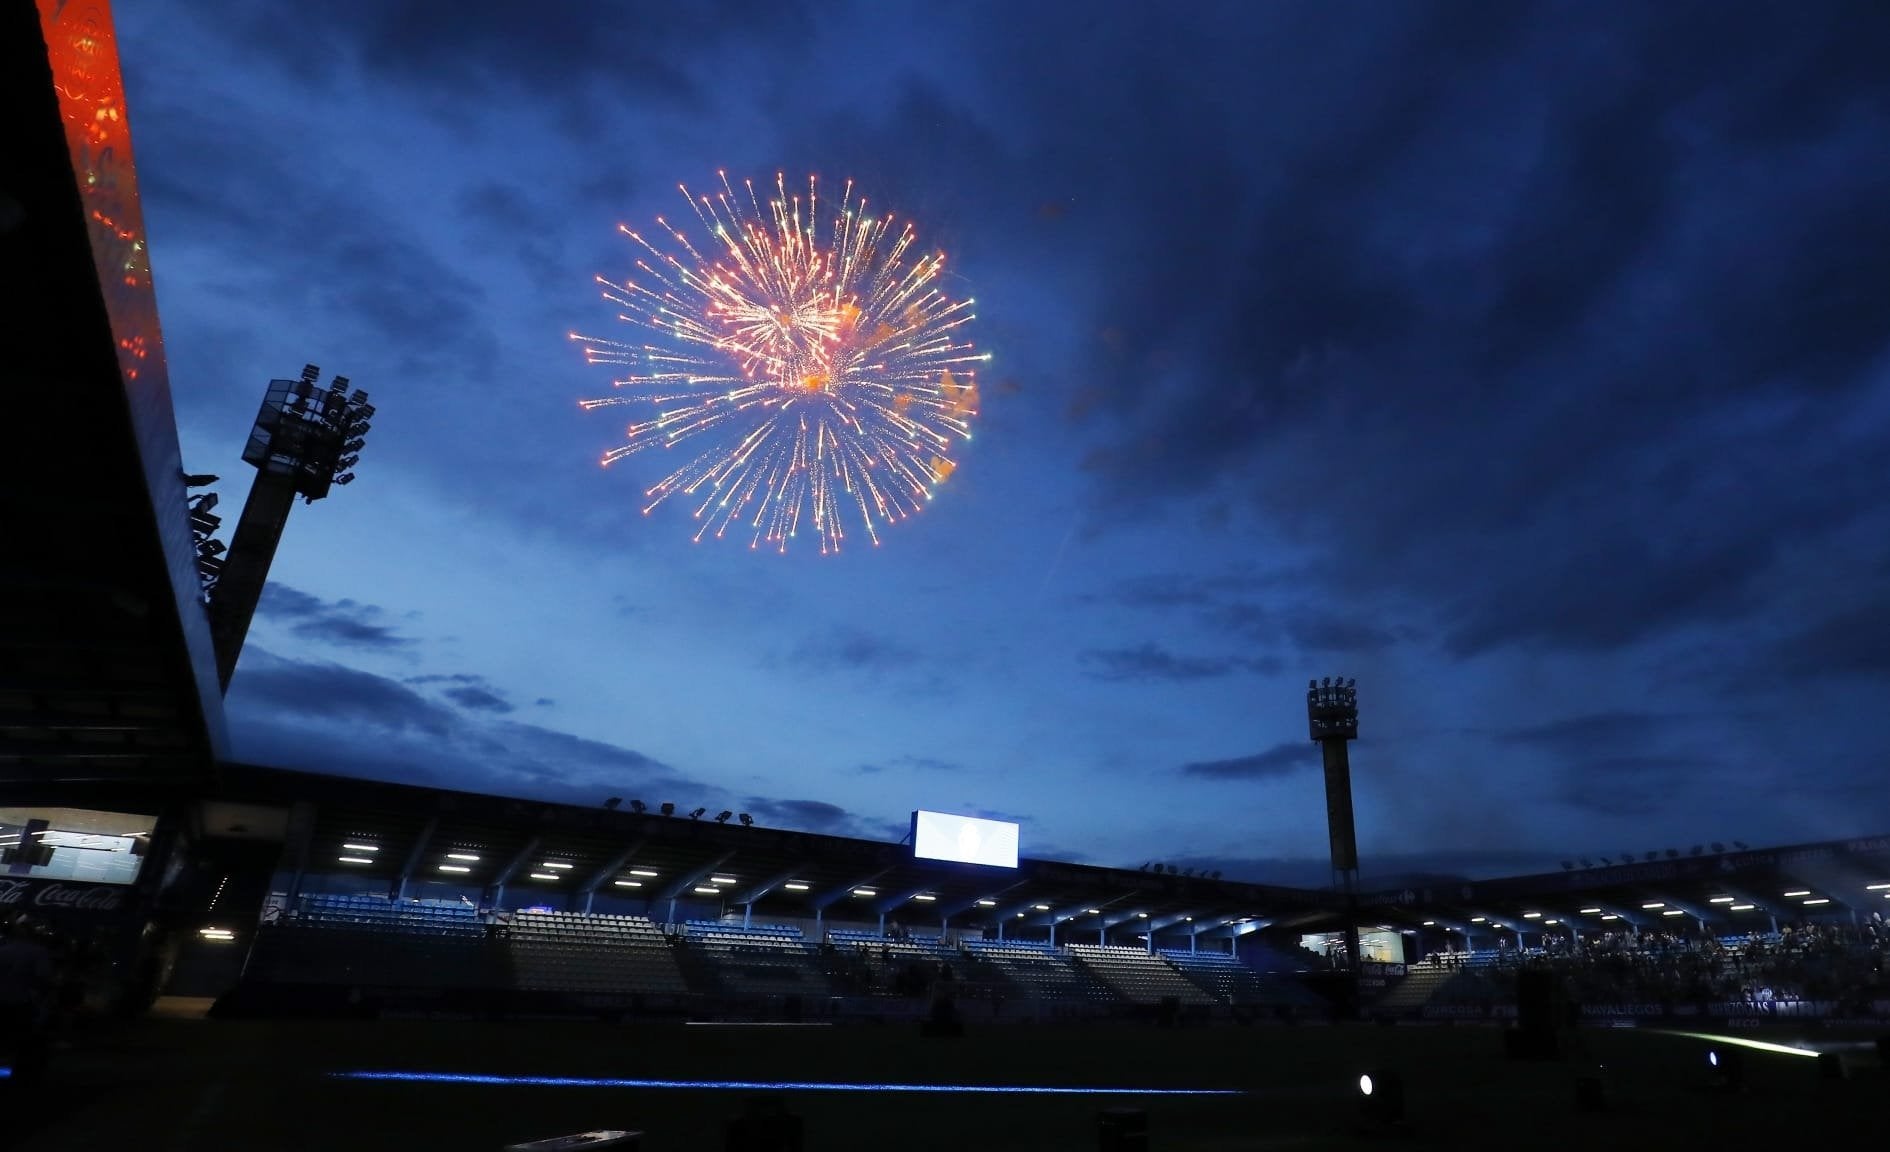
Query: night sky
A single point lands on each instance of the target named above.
(1529, 363)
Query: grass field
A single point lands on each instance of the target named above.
(216, 1086)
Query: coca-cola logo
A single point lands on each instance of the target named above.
(69, 897)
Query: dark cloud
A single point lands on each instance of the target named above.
(1632, 785)
(575, 56)
(851, 650)
(910, 763)
(467, 691)
(1285, 759)
(341, 622)
(329, 718)
(817, 816)
(1151, 662)
(1477, 333)
(1589, 732)
(1267, 610)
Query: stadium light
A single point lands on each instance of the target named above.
(557, 867)
(1041, 907)
(361, 847)
(1141, 915)
(628, 883)
(544, 875)
(1095, 911)
(796, 886)
(1674, 912)
(1654, 905)
(1381, 1095)
(1430, 924)
(1876, 887)
(639, 807)
(987, 903)
(468, 857)
(1532, 915)
(701, 891)
(926, 898)
(1800, 892)
(724, 816)
(355, 859)
(697, 814)
(612, 804)
(219, 935)
(1551, 921)
(1728, 1070)
(721, 879)
(747, 820)
(1743, 907)
(454, 868)
(1820, 900)
(1478, 920)
(865, 892)
(667, 809)
(644, 872)
(1591, 911)
(1721, 900)
(1610, 916)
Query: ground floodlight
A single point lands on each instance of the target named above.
(724, 817)
(639, 807)
(698, 813)
(1381, 1096)
(1727, 1068)
(668, 809)
(747, 820)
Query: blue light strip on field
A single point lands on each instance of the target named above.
(762, 1085)
(5, 1072)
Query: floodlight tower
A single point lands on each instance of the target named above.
(306, 440)
(1332, 714)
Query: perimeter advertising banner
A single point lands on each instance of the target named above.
(59, 898)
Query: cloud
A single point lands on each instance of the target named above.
(1268, 610)
(326, 717)
(1576, 735)
(818, 816)
(1286, 759)
(344, 623)
(1633, 785)
(1473, 336)
(1151, 662)
(842, 649)
(910, 763)
(468, 691)
(1380, 871)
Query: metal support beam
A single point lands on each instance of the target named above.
(505, 874)
(616, 864)
(889, 904)
(833, 896)
(414, 854)
(761, 889)
(970, 903)
(694, 877)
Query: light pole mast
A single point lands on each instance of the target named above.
(306, 440)
(1332, 716)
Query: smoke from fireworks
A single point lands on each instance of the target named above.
(810, 366)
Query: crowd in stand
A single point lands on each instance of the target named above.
(1841, 965)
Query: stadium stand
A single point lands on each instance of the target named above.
(1040, 972)
(570, 952)
(1139, 976)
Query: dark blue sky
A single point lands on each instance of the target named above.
(1529, 363)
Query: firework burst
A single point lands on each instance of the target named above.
(810, 366)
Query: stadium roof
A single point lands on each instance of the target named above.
(106, 669)
(1726, 890)
(390, 831)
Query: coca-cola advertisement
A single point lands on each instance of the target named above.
(59, 897)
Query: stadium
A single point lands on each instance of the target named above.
(255, 957)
